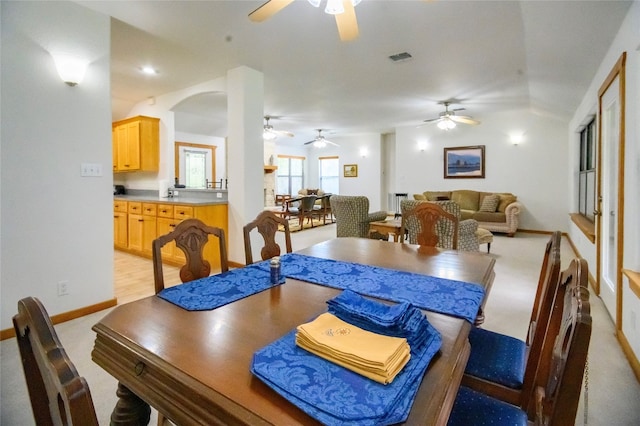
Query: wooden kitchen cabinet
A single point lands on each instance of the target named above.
(146, 221)
(136, 144)
(120, 236)
(142, 227)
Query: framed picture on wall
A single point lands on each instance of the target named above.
(350, 170)
(464, 162)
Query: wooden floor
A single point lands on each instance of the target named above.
(133, 276)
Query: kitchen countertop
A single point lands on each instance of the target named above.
(166, 200)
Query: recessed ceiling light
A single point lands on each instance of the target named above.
(149, 70)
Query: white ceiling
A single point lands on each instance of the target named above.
(486, 55)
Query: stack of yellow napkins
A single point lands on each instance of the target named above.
(372, 355)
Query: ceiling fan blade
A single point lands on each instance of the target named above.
(284, 133)
(464, 119)
(431, 120)
(347, 22)
(307, 143)
(332, 143)
(268, 9)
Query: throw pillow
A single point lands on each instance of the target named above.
(505, 200)
(442, 198)
(490, 203)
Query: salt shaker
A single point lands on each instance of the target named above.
(275, 270)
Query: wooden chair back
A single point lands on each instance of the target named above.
(59, 395)
(557, 398)
(190, 236)
(429, 215)
(550, 287)
(267, 224)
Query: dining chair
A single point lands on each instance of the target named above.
(303, 210)
(59, 395)
(557, 395)
(505, 367)
(190, 236)
(438, 229)
(267, 224)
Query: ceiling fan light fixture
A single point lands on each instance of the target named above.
(446, 124)
(268, 136)
(334, 7)
(320, 143)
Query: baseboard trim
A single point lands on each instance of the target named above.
(628, 352)
(67, 316)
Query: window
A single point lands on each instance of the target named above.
(329, 174)
(195, 168)
(290, 174)
(587, 174)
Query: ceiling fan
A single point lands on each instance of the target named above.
(320, 141)
(269, 134)
(448, 118)
(343, 10)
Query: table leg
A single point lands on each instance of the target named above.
(130, 410)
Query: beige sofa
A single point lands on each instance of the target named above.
(498, 213)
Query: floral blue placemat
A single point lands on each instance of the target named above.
(451, 297)
(335, 395)
(218, 290)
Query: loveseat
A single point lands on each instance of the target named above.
(494, 211)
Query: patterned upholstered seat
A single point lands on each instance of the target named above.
(352, 215)
(505, 367)
(467, 238)
(557, 394)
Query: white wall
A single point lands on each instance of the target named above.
(56, 226)
(371, 176)
(535, 170)
(627, 40)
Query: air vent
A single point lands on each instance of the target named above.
(400, 57)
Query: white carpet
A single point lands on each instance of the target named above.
(614, 391)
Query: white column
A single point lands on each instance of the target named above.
(245, 94)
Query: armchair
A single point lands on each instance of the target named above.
(467, 239)
(352, 215)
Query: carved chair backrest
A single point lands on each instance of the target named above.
(267, 224)
(59, 395)
(430, 216)
(558, 392)
(190, 236)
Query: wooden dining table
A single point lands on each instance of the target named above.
(194, 366)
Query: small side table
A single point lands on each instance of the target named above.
(386, 227)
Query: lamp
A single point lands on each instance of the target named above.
(333, 7)
(446, 123)
(71, 68)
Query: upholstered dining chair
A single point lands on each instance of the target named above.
(505, 367)
(267, 224)
(556, 395)
(302, 208)
(190, 236)
(437, 223)
(59, 395)
(352, 215)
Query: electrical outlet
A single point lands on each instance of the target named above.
(219, 194)
(63, 288)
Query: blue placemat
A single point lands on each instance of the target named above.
(218, 290)
(435, 294)
(335, 395)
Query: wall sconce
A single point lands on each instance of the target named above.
(422, 146)
(364, 152)
(516, 138)
(71, 68)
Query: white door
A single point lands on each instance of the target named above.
(610, 145)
